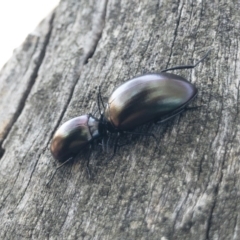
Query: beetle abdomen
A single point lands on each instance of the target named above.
(146, 98)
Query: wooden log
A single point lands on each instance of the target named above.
(187, 188)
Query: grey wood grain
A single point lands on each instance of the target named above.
(187, 188)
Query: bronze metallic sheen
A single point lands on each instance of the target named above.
(146, 98)
(72, 136)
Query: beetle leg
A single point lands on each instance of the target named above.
(108, 144)
(115, 146)
(176, 113)
(188, 66)
(144, 134)
(103, 143)
(193, 108)
(88, 160)
(172, 116)
(57, 168)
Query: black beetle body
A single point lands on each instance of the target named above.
(142, 99)
(73, 136)
(147, 98)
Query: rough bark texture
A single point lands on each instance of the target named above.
(188, 188)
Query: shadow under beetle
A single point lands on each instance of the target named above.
(151, 97)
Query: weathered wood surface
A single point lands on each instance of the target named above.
(187, 189)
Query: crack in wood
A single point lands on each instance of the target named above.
(29, 87)
(97, 33)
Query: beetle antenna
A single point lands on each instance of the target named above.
(88, 160)
(57, 168)
(115, 147)
(187, 66)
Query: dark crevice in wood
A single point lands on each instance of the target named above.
(209, 221)
(25, 96)
(98, 33)
(217, 188)
(29, 87)
(216, 191)
(1, 152)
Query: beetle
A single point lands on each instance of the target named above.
(146, 98)
(74, 135)
(151, 97)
